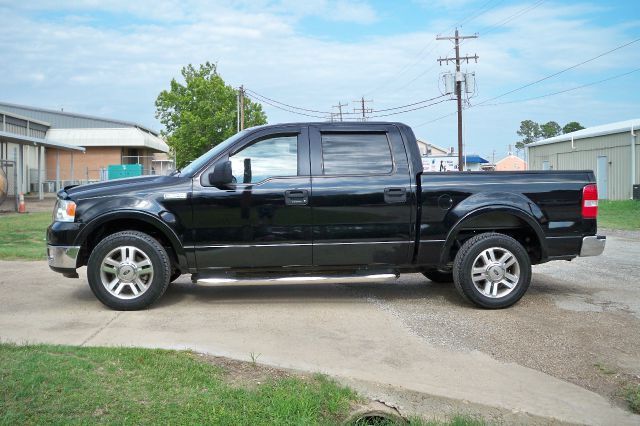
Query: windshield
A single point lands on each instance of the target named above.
(196, 164)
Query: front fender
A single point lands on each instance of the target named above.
(156, 221)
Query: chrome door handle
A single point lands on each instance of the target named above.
(296, 197)
(395, 195)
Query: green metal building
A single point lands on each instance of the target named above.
(612, 151)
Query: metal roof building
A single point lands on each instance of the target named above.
(67, 120)
(610, 150)
(56, 148)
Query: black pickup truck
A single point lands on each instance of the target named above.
(321, 202)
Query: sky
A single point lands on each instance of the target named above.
(112, 58)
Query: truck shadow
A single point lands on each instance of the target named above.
(411, 288)
(184, 292)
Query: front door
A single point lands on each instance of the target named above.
(601, 177)
(263, 220)
(361, 196)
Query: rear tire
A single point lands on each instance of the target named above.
(438, 276)
(492, 270)
(128, 270)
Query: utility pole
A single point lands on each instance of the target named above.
(241, 108)
(238, 111)
(339, 106)
(363, 109)
(459, 80)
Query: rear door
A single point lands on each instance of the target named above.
(361, 196)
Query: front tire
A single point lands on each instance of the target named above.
(492, 270)
(128, 270)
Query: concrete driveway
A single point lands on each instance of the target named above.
(543, 357)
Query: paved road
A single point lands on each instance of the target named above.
(538, 357)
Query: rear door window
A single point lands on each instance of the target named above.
(356, 154)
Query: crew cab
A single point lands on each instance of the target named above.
(321, 202)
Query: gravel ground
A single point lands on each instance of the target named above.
(579, 321)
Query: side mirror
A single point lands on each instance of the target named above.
(222, 175)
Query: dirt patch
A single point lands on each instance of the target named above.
(248, 375)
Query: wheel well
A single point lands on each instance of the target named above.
(503, 223)
(118, 225)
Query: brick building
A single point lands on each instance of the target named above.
(511, 163)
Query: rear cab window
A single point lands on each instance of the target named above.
(356, 154)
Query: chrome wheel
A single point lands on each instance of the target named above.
(126, 272)
(496, 272)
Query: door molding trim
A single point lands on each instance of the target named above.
(295, 244)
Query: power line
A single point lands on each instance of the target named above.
(404, 69)
(533, 98)
(563, 91)
(412, 109)
(469, 18)
(559, 72)
(480, 13)
(409, 105)
(437, 119)
(287, 105)
(420, 57)
(491, 28)
(418, 76)
(258, 98)
(292, 108)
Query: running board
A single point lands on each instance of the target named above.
(331, 279)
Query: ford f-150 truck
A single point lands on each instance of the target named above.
(321, 202)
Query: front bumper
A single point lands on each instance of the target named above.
(62, 258)
(593, 245)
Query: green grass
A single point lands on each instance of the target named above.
(23, 236)
(60, 385)
(619, 214)
(632, 395)
(46, 384)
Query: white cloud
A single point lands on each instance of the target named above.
(119, 70)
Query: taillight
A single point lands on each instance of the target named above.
(590, 201)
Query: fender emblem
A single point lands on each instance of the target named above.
(175, 196)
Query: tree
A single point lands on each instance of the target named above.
(201, 112)
(529, 131)
(572, 126)
(550, 129)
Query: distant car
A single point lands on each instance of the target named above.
(321, 202)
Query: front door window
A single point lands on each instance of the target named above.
(272, 157)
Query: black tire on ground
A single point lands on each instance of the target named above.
(438, 276)
(157, 256)
(470, 253)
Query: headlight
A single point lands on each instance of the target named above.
(64, 211)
